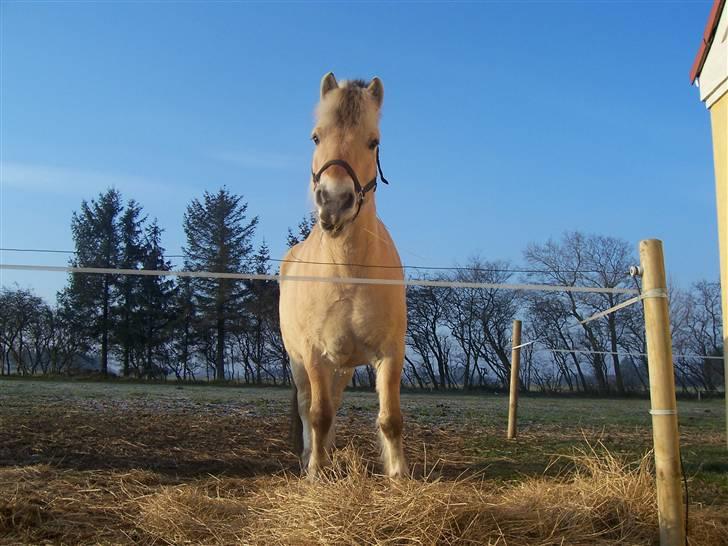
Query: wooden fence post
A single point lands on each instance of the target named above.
(515, 364)
(662, 394)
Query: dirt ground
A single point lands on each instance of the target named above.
(80, 461)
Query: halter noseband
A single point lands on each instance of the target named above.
(360, 191)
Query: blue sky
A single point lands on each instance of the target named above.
(504, 122)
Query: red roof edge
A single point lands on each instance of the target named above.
(707, 40)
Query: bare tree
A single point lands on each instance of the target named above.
(588, 260)
(18, 310)
(696, 321)
(428, 338)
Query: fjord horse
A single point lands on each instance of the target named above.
(328, 329)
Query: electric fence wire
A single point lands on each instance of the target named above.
(414, 267)
(316, 278)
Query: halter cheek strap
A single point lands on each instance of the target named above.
(360, 191)
(372, 184)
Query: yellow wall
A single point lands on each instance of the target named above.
(719, 123)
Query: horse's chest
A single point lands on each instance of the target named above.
(342, 329)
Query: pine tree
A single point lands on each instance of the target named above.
(304, 228)
(219, 238)
(128, 286)
(155, 297)
(96, 238)
(262, 310)
(71, 335)
(182, 328)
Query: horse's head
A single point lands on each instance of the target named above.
(344, 169)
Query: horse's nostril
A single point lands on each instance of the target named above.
(321, 196)
(325, 217)
(349, 201)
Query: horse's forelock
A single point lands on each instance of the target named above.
(348, 105)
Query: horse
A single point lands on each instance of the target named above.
(330, 328)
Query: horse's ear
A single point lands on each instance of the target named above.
(376, 88)
(328, 82)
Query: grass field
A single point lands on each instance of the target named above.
(85, 462)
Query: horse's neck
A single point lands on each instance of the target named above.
(357, 243)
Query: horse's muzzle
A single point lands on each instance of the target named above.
(335, 208)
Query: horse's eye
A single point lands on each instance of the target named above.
(315, 139)
(373, 143)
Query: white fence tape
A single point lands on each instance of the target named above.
(313, 278)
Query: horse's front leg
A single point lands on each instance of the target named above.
(321, 416)
(341, 377)
(389, 372)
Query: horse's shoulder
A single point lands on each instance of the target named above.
(389, 247)
(291, 257)
(384, 232)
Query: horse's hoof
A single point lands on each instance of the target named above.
(318, 475)
(314, 472)
(400, 472)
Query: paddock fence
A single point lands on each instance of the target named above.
(653, 296)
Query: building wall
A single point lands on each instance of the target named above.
(713, 81)
(719, 124)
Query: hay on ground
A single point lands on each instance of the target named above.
(603, 501)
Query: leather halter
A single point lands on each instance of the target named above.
(360, 191)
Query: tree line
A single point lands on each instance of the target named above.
(461, 337)
(225, 329)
